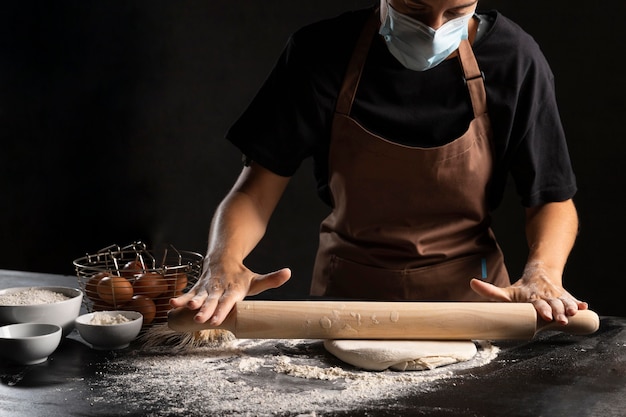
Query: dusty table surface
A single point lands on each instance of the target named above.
(552, 375)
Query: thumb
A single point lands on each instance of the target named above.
(268, 281)
(489, 291)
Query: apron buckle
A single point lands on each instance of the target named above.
(473, 77)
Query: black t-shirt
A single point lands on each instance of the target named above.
(290, 117)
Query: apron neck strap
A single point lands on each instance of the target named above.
(473, 77)
(356, 64)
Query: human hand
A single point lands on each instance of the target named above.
(217, 291)
(536, 286)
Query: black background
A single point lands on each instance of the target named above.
(112, 116)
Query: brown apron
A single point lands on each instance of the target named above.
(408, 223)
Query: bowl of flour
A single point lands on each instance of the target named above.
(41, 304)
(109, 330)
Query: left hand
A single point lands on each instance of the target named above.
(538, 287)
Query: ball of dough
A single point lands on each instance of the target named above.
(401, 355)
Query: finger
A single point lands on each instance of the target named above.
(182, 300)
(236, 293)
(490, 291)
(572, 305)
(206, 309)
(198, 300)
(208, 301)
(582, 305)
(268, 281)
(220, 301)
(205, 313)
(543, 309)
(558, 310)
(222, 309)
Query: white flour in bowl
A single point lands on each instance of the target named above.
(31, 296)
(258, 378)
(105, 319)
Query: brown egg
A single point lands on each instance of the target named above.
(176, 283)
(150, 284)
(91, 287)
(144, 305)
(115, 290)
(132, 268)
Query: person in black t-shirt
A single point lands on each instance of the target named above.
(414, 112)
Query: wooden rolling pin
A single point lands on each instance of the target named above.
(384, 320)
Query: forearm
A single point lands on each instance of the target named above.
(551, 231)
(236, 228)
(241, 219)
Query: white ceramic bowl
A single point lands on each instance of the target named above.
(109, 336)
(29, 343)
(62, 313)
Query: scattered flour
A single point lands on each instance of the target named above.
(31, 296)
(250, 377)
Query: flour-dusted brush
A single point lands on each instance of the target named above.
(161, 336)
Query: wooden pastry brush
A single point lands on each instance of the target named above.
(161, 336)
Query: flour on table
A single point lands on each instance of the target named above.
(250, 377)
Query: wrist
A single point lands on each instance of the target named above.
(535, 269)
(228, 264)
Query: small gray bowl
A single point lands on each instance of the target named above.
(109, 336)
(29, 343)
(62, 313)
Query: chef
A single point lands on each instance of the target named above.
(415, 112)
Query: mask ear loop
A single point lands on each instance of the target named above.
(384, 5)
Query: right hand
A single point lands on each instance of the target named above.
(217, 291)
(238, 225)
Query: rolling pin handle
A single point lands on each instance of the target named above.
(584, 322)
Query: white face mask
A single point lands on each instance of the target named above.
(417, 46)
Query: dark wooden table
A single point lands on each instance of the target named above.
(554, 374)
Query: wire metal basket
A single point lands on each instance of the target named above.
(135, 278)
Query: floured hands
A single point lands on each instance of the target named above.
(217, 291)
(536, 286)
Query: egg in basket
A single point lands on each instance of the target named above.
(134, 278)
